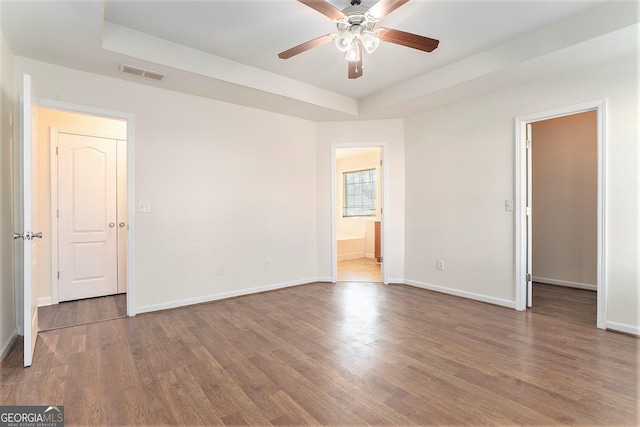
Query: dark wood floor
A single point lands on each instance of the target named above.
(343, 354)
(81, 312)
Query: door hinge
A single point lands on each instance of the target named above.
(528, 211)
(57, 213)
(528, 144)
(528, 277)
(380, 162)
(381, 259)
(58, 275)
(56, 151)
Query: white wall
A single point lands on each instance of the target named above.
(460, 170)
(220, 180)
(389, 132)
(62, 121)
(7, 296)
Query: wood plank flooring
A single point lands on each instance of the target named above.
(359, 270)
(340, 354)
(80, 312)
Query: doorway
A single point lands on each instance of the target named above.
(357, 195)
(564, 199)
(83, 197)
(560, 202)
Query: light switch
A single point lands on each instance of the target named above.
(508, 205)
(144, 206)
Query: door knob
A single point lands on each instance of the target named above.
(112, 224)
(27, 236)
(121, 224)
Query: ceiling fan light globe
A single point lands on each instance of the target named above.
(370, 42)
(343, 41)
(353, 53)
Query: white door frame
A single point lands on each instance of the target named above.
(130, 119)
(55, 248)
(384, 186)
(521, 200)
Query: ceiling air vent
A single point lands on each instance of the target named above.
(141, 72)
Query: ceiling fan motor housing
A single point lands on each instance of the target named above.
(355, 16)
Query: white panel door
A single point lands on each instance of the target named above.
(87, 216)
(27, 238)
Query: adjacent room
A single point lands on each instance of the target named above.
(358, 200)
(565, 196)
(81, 185)
(308, 212)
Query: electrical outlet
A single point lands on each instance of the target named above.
(440, 265)
(267, 264)
(220, 270)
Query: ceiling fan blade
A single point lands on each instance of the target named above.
(355, 67)
(324, 8)
(306, 46)
(408, 39)
(385, 7)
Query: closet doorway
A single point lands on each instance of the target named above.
(560, 211)
(564, 223)
(86, 189)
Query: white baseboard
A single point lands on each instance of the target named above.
(463, 294)
(396, 280)
(623, 327)
(368, 255)
(6, 346)
(45, 301)
(566, 283)
(352, 255)
(223, 295)
(328, 279)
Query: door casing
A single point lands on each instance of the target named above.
(522, 181)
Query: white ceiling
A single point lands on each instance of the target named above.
(228, 50)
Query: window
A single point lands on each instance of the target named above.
(359, 193)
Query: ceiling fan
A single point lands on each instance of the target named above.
(356, 30)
